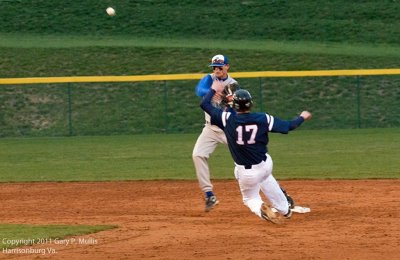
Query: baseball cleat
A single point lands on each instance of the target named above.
(210, 203)
(288, 198)
(268, 214)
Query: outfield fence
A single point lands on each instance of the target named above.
(110, 105)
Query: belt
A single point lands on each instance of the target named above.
(249, 166)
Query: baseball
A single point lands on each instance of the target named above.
(110, 11)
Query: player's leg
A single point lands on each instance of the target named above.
(272, 190)
(249, 184)
(205, 145)
(288, 198)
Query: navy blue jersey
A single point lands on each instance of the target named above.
(247, 133)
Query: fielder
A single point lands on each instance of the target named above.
(247, 136)
(212, 135)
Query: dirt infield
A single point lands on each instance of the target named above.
(165, 220)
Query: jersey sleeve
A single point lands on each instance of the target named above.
(277, 125)
(204, 86)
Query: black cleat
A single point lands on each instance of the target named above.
(289, 199)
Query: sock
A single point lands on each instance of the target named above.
(209, 194)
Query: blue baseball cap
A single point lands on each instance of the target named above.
(219, 61)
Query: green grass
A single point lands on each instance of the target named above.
(172, 107)
(371, 21)
(303, 154)
(114, 60)
(348, 154)
(158, 37)
(15, 235)
(60, 41)
(77, 38)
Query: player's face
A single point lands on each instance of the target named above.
(221, 71)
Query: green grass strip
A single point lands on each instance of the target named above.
(305, 47)
(303, 154)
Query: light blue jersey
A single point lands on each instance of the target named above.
(205, 83)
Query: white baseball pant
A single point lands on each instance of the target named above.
(260, 177)
(205, 145)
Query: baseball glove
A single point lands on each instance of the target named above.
(227, 94)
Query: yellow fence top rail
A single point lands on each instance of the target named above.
(256, 74)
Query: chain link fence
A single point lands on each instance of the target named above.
(162, 106)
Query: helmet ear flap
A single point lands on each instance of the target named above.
(249, 104)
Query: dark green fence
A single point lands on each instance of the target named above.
(70, 109)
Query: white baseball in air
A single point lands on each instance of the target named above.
(110, 11)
